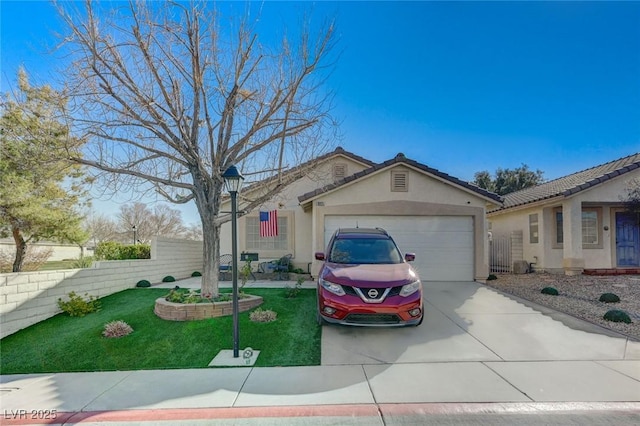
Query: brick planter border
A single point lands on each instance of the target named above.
(197, 311)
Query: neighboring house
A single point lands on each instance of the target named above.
(577, 222)
(440, 218)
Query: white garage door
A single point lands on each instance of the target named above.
(443, 244)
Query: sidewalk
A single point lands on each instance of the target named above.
(471, 375)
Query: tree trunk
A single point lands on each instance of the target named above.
(207, 198)
(21, 249)
(211, 259)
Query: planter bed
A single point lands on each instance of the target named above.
(197, 311)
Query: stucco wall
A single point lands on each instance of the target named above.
(60, 251)
(27, 298)
(286, 202)
(425, 196)
(605, 197)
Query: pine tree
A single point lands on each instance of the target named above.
(40, 189)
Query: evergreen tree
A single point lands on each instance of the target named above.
(507, 180)
(40, 189)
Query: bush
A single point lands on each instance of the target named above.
(491, 277)
(550, 291)
(108, 250)
(196, 274)
(82, 262)
(111, 250)
(116, 329)
(616, 315)
(135, 251)
(143, 283)
(260, 315)
(291, 292)
(175, 296)
(34, 258)
(168, 279)
(609, 298)
(76, 306)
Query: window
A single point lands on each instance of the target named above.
(591, 237)
(255, 243)
(399, 181)
(590, 227)
(559, 230)
(533, 228)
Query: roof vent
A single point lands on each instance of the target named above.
(399, 181)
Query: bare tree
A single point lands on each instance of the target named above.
(162, 220)
(100, 228)
(193, 232)
(174, 94)
(631, 197)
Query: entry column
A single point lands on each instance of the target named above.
(572, 257)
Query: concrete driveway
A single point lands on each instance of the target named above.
(466, 321)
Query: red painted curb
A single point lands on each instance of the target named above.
(362, 410)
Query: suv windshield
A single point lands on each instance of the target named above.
(364, 251)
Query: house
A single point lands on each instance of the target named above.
(439, 217)
(576, 223)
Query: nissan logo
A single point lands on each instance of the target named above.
(372, 293)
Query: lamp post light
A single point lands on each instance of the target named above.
(233, 182)
(134, 234)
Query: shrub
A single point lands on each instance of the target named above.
(260, 315)
(616, 315)
(76, 306)
(135, 251)
(291, 292)
(492, 277)
(143, 283)
(111, 250)
(82, 262)
(34, 258)
(196, 274)
(174, 296)
(108, 250)
(609, 298)
(245, 273)
(168, 279)
(550, 291)
(116, 329)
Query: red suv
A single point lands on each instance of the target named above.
(365, 281)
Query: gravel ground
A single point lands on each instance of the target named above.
(579, 296)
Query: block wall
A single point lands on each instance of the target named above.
(27, 298)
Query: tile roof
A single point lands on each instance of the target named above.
(400, 158)
(301, 167)
(572, 184)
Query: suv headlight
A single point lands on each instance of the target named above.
(409, 289)
(332, 287)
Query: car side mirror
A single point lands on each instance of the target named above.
(410, 257)
(319, 256)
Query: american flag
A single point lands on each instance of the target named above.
(269, 224)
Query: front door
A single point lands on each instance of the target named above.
(627, 239)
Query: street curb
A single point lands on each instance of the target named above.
(348, 411)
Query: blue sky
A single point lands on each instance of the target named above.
(461, 87)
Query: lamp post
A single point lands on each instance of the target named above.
(233, 181)
(134, 234)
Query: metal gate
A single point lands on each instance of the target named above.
(500, 254)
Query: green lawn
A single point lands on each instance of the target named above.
(63, 343)
(54, 265)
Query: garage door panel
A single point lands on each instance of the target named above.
(443, 244)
